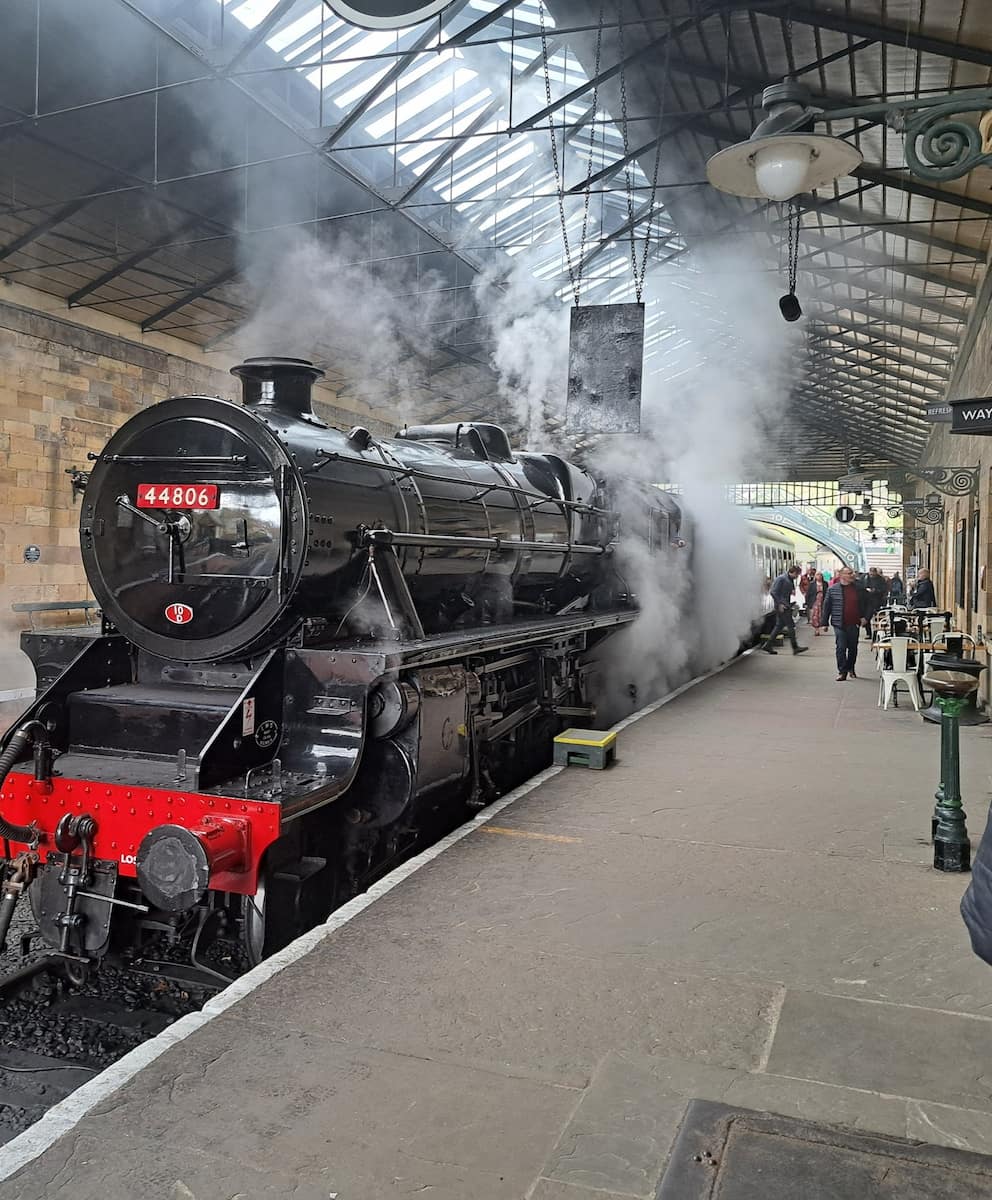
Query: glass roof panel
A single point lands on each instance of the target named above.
(502, 189)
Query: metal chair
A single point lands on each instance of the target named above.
(899, 672)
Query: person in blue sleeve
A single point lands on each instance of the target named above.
(781, 594)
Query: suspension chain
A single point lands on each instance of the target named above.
(788, 34)
(639, 270)
(575, 270)
(793, 235)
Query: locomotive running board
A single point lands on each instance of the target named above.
(489, 638)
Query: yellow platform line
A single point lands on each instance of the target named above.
(526, 833)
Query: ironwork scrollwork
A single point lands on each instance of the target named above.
(952, 481)
(939, 145)
(921, 510)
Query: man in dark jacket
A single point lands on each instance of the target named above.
(923, 595)
(781, 594)
(843, 608)
(877, 590)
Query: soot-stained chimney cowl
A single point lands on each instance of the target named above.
(284, 384)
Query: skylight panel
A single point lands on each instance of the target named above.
(297, 29)
(420, 101)
(499, 183)
(251, 12)
(359, 90)
(464, 112)
(371, 43)
(436, 100)
(332, 45)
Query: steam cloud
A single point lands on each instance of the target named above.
(529, 346)
(313, 300)
(715, 384)
(708, 407)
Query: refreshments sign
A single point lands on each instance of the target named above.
(939, 413)
(971, 416)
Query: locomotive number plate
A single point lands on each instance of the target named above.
(178, 495)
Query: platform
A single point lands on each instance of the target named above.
(740, 910)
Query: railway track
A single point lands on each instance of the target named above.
(57, 1034)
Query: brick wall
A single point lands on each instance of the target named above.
(64, 388)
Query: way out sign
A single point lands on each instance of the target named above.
(605, 361)
(971, 416)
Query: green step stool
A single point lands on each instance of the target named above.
(586, 748)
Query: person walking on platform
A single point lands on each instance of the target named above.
(782, 590)
(816, 593)
(923, 594)
(804, 585)
(897, 593)
(876, 590)
(843, 608)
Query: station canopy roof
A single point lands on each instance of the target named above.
(160, 156)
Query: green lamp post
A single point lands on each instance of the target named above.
(953, 679)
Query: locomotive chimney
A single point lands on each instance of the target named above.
(284, 384)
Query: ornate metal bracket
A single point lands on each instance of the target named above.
(939, 144)
(939, 147)
(925, 510)
(916, 534)
(952, 481)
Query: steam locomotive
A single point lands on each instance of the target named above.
(316, 647)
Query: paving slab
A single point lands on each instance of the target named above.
(896, 1049)
(131, 1167)
(519, 1010)
(258, 1096)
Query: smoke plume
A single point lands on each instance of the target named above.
(716, 380)
(715, 383)
(314, 300)
(528, 346)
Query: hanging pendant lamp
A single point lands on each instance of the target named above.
(783, 157)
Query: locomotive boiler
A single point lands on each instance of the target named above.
(317, 648)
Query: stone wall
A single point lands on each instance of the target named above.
(65, 386)
(938, 551)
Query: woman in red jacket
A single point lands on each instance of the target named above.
(816, 593)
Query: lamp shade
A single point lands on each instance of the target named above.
(781, 165)
(781, 168)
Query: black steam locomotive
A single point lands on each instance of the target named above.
(316, 648)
